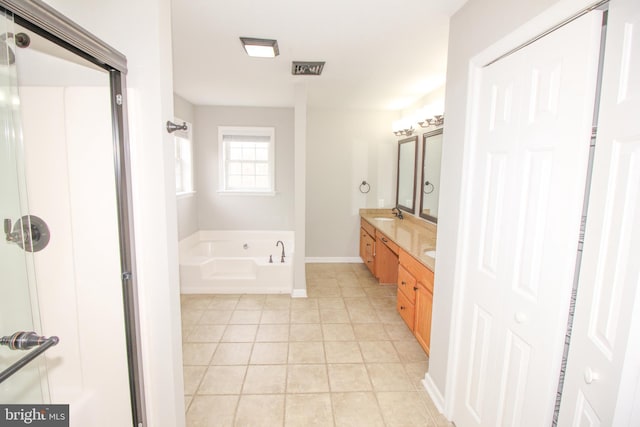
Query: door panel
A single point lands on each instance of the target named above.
(514, 380)
(18, 297)
(601, 382)
(528, 169)
(476, 397)
(530, 237)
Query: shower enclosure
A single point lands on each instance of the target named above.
(65, 202)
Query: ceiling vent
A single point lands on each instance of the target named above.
(302, 68)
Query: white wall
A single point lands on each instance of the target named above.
(300, 191)
(345, 147)
(243, 212)
(187, 204)
(142, 31)
(183, 109)
(477, 26)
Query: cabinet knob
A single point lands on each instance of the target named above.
(403, 283)
(415, 288)
(402, 307)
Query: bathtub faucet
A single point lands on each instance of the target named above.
(279, 242)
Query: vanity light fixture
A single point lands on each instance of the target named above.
(260, 48)
(403, 132)
(403, 127)
(437, 120)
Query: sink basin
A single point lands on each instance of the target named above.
(382, 218)
(432, 254)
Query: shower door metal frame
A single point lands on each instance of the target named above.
(52, 25)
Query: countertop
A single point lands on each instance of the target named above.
(412, 234)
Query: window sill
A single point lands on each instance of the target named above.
(247, 193)
(185, 194)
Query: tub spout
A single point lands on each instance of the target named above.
(279, 242)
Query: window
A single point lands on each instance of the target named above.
(246, 157)
(184, 160)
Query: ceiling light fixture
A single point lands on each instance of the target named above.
(260, 48)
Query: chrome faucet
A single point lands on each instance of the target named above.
(279, 242)
(397, 213)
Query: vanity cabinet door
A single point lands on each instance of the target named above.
(386, 260)
(406, 309)
(363, 242)
(422, 323)
(415, 290)
(367, 250)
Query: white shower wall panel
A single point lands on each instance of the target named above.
(71, 185)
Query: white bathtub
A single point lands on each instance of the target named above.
(236, 262)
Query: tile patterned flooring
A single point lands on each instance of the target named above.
(341, 357)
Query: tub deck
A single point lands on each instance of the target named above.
(228, 264)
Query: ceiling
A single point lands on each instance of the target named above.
(382, 55)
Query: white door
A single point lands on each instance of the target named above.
(604, 355)
(528, 168)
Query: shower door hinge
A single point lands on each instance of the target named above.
(127, 275)
(119, 99)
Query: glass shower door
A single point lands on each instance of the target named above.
(18, 297)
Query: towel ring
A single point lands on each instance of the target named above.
(427, 184)
(365, 187)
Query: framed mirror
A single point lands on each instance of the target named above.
(407, 163)
(430, 183)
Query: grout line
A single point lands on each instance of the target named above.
(365, 302)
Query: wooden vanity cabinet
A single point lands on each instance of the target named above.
(386, 259)
(406, 309)
(367, 245)
(415, 297)
(422, 322)
(407, 284)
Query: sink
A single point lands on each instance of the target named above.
(432, 254)
(382, 218)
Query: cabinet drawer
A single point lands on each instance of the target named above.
(368, 227)
(406, 309)
(421, 273)
(407, 284)
(387, 241)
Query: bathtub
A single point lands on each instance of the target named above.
(236, 262)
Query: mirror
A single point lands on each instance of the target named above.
(407, 160)
(430, 184)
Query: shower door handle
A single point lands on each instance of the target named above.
(25, 341)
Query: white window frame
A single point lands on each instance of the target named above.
(224, 188)
(184, 160)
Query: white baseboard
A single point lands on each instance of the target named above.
(337, 260)
(298, 293)
(433, 392)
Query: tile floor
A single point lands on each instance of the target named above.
(341, 357)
